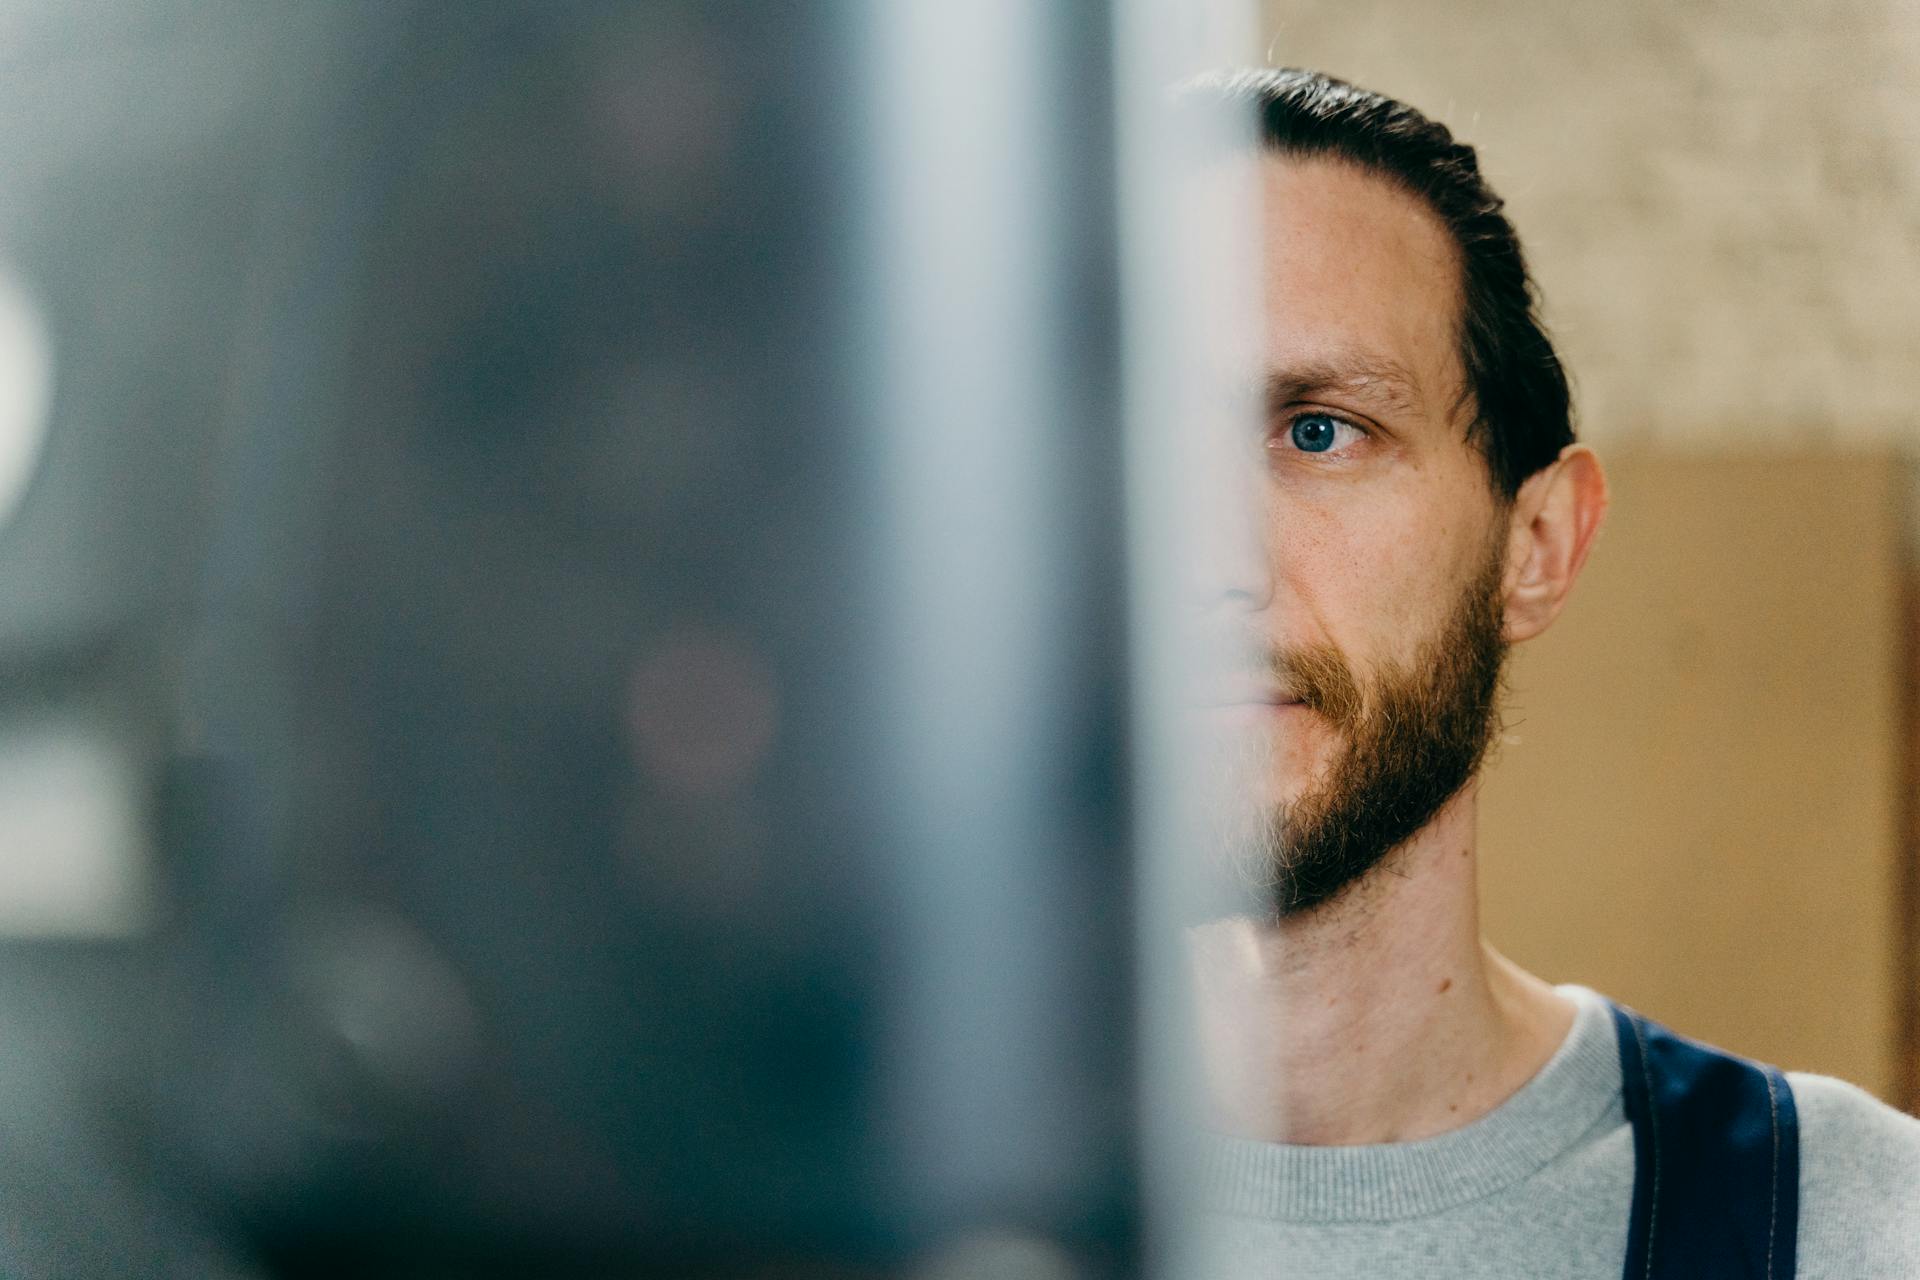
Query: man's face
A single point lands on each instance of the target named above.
(1367, 594)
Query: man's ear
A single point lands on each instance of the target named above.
(1551, 528)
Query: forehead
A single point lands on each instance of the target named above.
(1358, 274)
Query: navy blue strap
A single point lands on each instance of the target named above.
(1716, 1188)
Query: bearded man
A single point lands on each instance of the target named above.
(1391, 1096)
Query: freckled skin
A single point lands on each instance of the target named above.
(1369, 546)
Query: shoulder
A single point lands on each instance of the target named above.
(1859, 1182)
(1843, 1127)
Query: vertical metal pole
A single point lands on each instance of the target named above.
(1187, 265)
(966, 277)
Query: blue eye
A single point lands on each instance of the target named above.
(1315, 432)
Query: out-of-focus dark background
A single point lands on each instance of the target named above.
(562, 642)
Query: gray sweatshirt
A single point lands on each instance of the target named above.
(1539, 1189)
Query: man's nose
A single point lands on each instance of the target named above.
(1235, 570)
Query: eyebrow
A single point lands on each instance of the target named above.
(1377, 381)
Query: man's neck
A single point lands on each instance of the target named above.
(1380, 1017)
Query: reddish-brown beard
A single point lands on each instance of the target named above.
(1413, 735)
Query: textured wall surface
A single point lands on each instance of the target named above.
(1722, 199)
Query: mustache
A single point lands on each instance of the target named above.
(1321, 678)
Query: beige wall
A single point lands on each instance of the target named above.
(1722, 198)
(1697, 807)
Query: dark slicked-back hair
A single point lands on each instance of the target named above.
(1522, 408)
